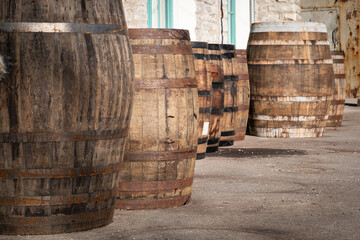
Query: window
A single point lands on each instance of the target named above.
(160, 13)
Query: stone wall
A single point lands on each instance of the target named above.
(136, 13)
(277, 10)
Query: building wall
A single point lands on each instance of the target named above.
(136, 13)
(277, 10)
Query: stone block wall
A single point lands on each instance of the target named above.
(136, 13)
(277, 10)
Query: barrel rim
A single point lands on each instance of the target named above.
(288, 27)
(198, 44)
(158, 33)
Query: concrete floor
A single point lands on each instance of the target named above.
(259, 189)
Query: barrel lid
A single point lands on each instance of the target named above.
(158, 33)
(288, 27)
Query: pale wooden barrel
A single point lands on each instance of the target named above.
(217, 106)
(337, 105)
(241, 70)
(291, 79)
(65, 103)
(158, 167)
(204, 81)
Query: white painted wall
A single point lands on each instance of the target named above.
(185, 16)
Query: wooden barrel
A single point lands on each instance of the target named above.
(339, 95)
(65, 105)
(158, 167)
(217, 106)
(291, 79)
(204, 81)
(228, 55)
(241, 70)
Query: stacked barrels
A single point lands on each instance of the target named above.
(158, 167)
(65, 99)
(291, 78)
(337, 104)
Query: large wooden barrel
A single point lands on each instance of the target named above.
(204, 81)
(228, 55)
(291, 79)
(158, 167)
(217, 106)
(337, 105)
(64, 114)
(241, 70)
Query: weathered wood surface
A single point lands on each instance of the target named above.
(158, 168)
(228, 55)
(243, 104)
(65, 106)
(217, 106)
(337, 104)
(204, 80)
(291, 79)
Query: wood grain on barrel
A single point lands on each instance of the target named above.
(217, 106)
(337, 104)
(204, 80)
(291, 79)
(228, 55)
(241, 70)
(160, 154)
(64, 116)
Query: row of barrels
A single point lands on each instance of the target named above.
(223, 88)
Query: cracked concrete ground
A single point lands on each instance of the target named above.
(259, 189)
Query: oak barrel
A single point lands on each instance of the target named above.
(65, 104)
(337, 105)
(217, 106)
(204, 81)
(158, 167)
(243, 104)
(291, 79)
(228, 56)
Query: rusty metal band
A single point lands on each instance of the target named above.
(166, 83)
(205, 93)
(337, 102)
(240, 137)
(202, 140)
(199, 45)
(204, 57)
(38, 27)
(41, 201)
(131, 187)
(55, 224)
(228, 55)
(231, 109)
(231, 78)
(240, 51)
(241, 60)
(59, 173)
(162, 49)
(213, 46)
(217, 85)
(215, 57)
(227, 46)
(336, 117)
(341, 53)
(243, 107)
(160, 156)
(213, 141)
(339, 75)
(219, 111)
(338, 60)
(138, 204)
(152, 33)
(205, 110)
(243, 76)
(227, 133)
(200, 156)
(38, 137)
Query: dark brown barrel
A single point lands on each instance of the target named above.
(65, 105)
(228, 55)
(217, 107)
(158, 167)
(337, 105)
(241, 70)
(291, 79)
(204, 81)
